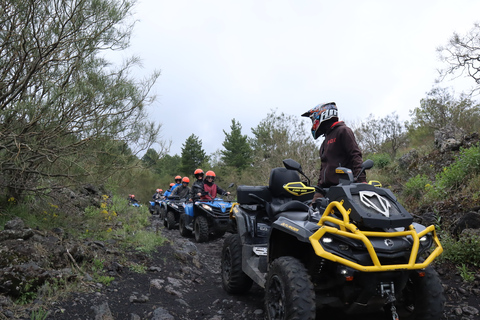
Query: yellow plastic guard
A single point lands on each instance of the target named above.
(349, 230)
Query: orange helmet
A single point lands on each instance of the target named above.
(186, 179)
(178, 178)
(172, 184)
(210, 174)
(132, 196)
(198, 171)
(159, 190)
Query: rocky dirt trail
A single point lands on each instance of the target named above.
(182, 281)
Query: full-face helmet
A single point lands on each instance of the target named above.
(319, 115)
(198, 173)
(210, 174)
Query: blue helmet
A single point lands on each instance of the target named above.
(320, 114)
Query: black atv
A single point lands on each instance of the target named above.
(358, 252)
(173, 207)
(206, 218)
(155, 206)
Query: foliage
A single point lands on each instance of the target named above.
(465, 273)
(415, 187)
(465, 250)
(461, 55)
(440, 109)
(193, 155)
(381, 160)
(137, 268)
(66, 113)
(279, 137)
(238, 153)
(381, 135)
(466, 166)
(39, 314)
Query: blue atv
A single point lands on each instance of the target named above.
(205, 218)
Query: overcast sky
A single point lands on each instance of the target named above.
(225, 59)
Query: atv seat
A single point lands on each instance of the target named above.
(284, 203)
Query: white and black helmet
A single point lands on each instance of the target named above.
(320, 114)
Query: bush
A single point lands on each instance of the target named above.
(416, 187)
(381, 160)
(464, 250)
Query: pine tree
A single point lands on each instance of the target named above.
(193, 156)
(238, 152)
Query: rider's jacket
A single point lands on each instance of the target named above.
(157, 196)
(183, 192)
(197, 188)
(339, 149)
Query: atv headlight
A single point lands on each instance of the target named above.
(206, 207)
(174, 205)
(327, 240)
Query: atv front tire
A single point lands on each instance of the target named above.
(184, 232)
(289, 291)
(201, 229)
(422, 298)
(170, 220)
(234, 280)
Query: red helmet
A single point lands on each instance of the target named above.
(132, 196)
(186, 179)
(210, 174)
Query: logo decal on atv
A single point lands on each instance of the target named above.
(366, 198)
(389, 242)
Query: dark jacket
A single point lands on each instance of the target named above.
(182, 191)
(339, 149)
(197, 187)
(157, 196)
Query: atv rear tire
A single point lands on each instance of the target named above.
(184, 232)
(289, 292)
(422, 298)
(234, 280)
(200, 229)
(170, 220)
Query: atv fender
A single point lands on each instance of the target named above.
(296, 228)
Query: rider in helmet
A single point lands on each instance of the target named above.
(178, 182)
(182, 191)
(210, 189)
(169, 191)
(132, 199)
(197, 187)
(157, 195)
(339, 149)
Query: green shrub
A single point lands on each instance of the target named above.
(467, 164)
(416, 187)
(465, 250)
(381, 160)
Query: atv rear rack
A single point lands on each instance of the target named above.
(350, 230)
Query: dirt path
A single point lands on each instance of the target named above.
(183, 282)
